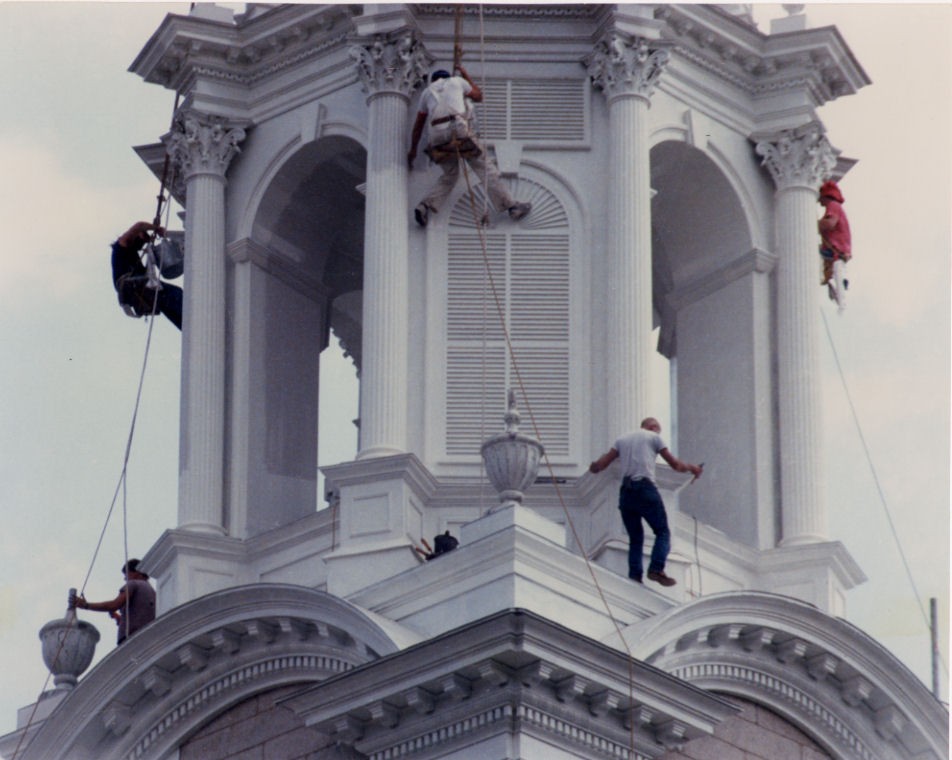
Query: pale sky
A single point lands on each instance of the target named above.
(71, 360)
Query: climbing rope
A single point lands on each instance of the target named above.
(478, 224)
(879, 488)
(121, 484)
(545, 455)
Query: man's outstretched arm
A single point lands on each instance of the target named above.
(677, 464)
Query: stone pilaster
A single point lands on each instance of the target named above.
(390, 67)
(627, 70)
(799, 160)
(202, 146)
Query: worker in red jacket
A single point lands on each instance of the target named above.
(836, 245)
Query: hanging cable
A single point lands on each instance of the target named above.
(121, 485)
(545, 455)
(879, 488)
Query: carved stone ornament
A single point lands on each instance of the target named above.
(798, 157)
(394, 62)
(202, 143)
(68, 647)
(512, 459)
(622, 65)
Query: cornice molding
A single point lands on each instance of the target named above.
(815, 60)
(186, 47)
(820, 672)
(405, 466)
(510, 669)
(579, 11)
(200, 659)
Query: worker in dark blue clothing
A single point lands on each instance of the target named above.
(131, 280)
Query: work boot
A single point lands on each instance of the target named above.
(658, 576)
(421, 213)
(519, 210)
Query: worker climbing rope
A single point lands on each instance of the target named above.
(446, 113)
(836, 245)
(140, 291)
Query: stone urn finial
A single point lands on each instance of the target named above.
(68, 647)
(512, 459)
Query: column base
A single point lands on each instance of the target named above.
(209, 529)
(379, 451)
(803, 540)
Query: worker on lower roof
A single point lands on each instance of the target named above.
(130, 278)
(447, 106)
(639, 499)
(134, 608)
(836, 246)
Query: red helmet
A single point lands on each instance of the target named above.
(830, 189)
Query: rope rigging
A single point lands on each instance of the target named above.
(879, 488)
(478, 222)
(121, 485)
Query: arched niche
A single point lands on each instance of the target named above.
(713, 301)
(298, 276)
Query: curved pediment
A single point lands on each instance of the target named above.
(202, 658)
(821, 673)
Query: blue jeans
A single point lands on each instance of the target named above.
(639, 500)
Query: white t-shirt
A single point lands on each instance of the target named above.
(446, 97)
(637, 452)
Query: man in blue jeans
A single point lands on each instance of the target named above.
(639, 498)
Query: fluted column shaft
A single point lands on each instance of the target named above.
(627, 70)
(202, 148)
(629, 305)
(799, 160)
(390, 67)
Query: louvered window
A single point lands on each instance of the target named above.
(531, 273)
(533, 110)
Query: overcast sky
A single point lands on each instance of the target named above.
(70, 359)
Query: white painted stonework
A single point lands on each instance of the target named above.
(672, 155)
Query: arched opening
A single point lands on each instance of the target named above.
(299, 292)
(711, 308)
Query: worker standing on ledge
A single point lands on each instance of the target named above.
(140, 609)
(450, 137)
(639, 498)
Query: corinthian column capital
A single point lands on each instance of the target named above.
(396, 63)
(203, 143)
(800, 157)
(622, 65)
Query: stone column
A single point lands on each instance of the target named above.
(799, 160)
(202, 146)
(390, 67)
(627, 70)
